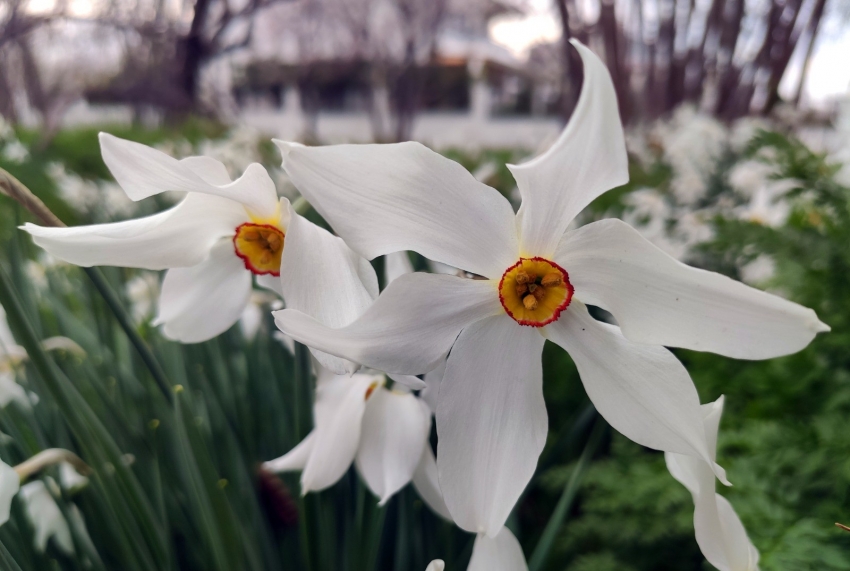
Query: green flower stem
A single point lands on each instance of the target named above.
(15, 189)
(553, 526)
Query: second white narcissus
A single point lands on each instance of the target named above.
(719, 532)
(223, 234)
(358, 419)
(537, 277)
(10, 483)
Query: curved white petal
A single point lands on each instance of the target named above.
(408, 381)
(296, 458)
(588, 159)
(719, 532)
(340, 404)
(179, 237)
(395, 430)
(491, 421)
(661, 301)
(142, 172)
(643, 391)
(426, 480)
(10, 483)
(321, 277)
(500, 553)
(432, 379)
(387, 198)
(436, 565)
(408, 329)
(396, 265)
(203, 301)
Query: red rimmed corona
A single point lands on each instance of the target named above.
(535, 291)
(260, 246)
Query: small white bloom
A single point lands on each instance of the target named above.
(538, 278)
(45, 516)
(719, 532)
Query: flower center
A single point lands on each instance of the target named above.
(260, 246)
(535, 291)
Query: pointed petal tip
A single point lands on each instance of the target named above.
(721, 474)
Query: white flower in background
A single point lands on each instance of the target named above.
(10, 483)
(491, 417)
(719, 532)
(436, 565)
(45, 516)
(213, 243)
(142, 292)
(15, 151)
(258, 307)
(692, 142)
(357, 419)
(766, 205)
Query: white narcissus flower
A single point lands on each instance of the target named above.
(10, 483)
(211, 243)
(538, 276)
(719, 532)
(357, 419)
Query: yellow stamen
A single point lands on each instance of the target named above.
(535, 291)
(530, 302)
(551, 279)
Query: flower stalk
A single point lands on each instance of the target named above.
(17, 191)
(51, 457)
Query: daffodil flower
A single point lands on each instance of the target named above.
(537, 277)
(223, 234)
(719, 532)
(357, 419)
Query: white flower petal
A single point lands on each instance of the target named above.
(408, 329)
(408, 381)
(427, 483)
(395, 430)
(295, 459)
(660, 301)
(10, 391)
(320, 276)
(432, 379)
(491, 421)
(270, 282)
(396, 265)
(436, 565)
(387, 198)
(142, 172)
(10, 483)
(45, 517)
(588, 159)
(500, 553)
(340, 404)
(203, 301)
(643, 391)
(179, 237)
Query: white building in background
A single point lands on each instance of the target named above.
(311, 73)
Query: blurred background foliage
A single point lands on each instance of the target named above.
(177, 484)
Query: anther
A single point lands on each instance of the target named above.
(251, 235)
(532, 287)
(522, 278)
(539, 293)
(529, 302)
(521, 290)
(551, 279)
